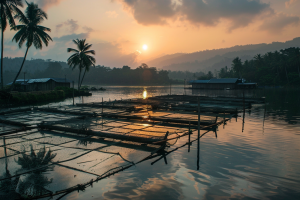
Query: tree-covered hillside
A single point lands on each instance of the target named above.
(278, 68)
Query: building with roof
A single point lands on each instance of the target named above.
(221, 84)
(41, 84)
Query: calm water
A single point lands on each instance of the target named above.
(259, 161)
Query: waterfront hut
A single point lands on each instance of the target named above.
(221, 84)
(44, 84)
(41, 84)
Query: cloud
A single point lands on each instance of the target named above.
(107, 53)
(88, 29)
(68, 38)
(72, 24)
(46, 4)
(110, 54)
(150, 12)
(278, 22)
(198, 12)
(290, 2)
(112, 14)
(209, 13)
(58, 26)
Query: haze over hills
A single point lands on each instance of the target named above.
(210, 60)
(202, 61)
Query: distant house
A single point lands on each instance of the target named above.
(221, 84)
(42, 84)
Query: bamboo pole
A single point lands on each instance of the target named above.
(198, 143)
(189, 137)
(73, 94)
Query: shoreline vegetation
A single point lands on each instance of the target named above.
(40, 97)
(273, 69)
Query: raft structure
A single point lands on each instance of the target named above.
(93, 141)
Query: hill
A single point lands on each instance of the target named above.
(217, 58)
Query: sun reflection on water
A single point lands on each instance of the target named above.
(145, 94)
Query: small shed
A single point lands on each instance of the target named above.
(43, 84)
(199, 84)
(221, 84)
(40, 84)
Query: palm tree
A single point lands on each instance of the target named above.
(7, 9)
(81, 58)
(30, 31)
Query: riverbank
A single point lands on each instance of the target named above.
(40, 97)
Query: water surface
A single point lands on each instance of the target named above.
(254, 156)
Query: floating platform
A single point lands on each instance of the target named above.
(96, 140)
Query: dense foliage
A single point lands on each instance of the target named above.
(98, 75)
(279, 68)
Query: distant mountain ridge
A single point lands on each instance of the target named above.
(217, 58)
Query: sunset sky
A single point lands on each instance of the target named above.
(118, 29)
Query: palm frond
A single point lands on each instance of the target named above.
(22, 39)
(72, 50)
(18, 27)
(86, 47)
(90, 52)
(3, 20)
(8, 12)
(20, 16)
(42, 28)
(19, 34)
(37, 42)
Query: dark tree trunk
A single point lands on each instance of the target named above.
(79, 78)
(2, 47)
(82, 77)
(13, 84)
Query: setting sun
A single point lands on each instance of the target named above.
(145, 47)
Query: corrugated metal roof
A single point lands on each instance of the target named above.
(199, 81)
(44, 80)
(223, 80)
(19, 81)
(247, 83)
(39, 80)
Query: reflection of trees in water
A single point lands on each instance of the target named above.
(84, 142)
(8, 185)
(34, 183)
(35, 160)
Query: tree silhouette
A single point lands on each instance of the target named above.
(7, 9)
(81, 58)
(34, 183)
(30, 31)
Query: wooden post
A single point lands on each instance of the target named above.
(264, 117)
(184, 87)
(189, 136)
(73, 94)
(102, 105)
(244, 111)
(198, 143)
(5, 153)
(224, 117)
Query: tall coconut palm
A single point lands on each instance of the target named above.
(7, 10)
(30, 31)
(81, 58)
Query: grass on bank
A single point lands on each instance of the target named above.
(33, 97)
